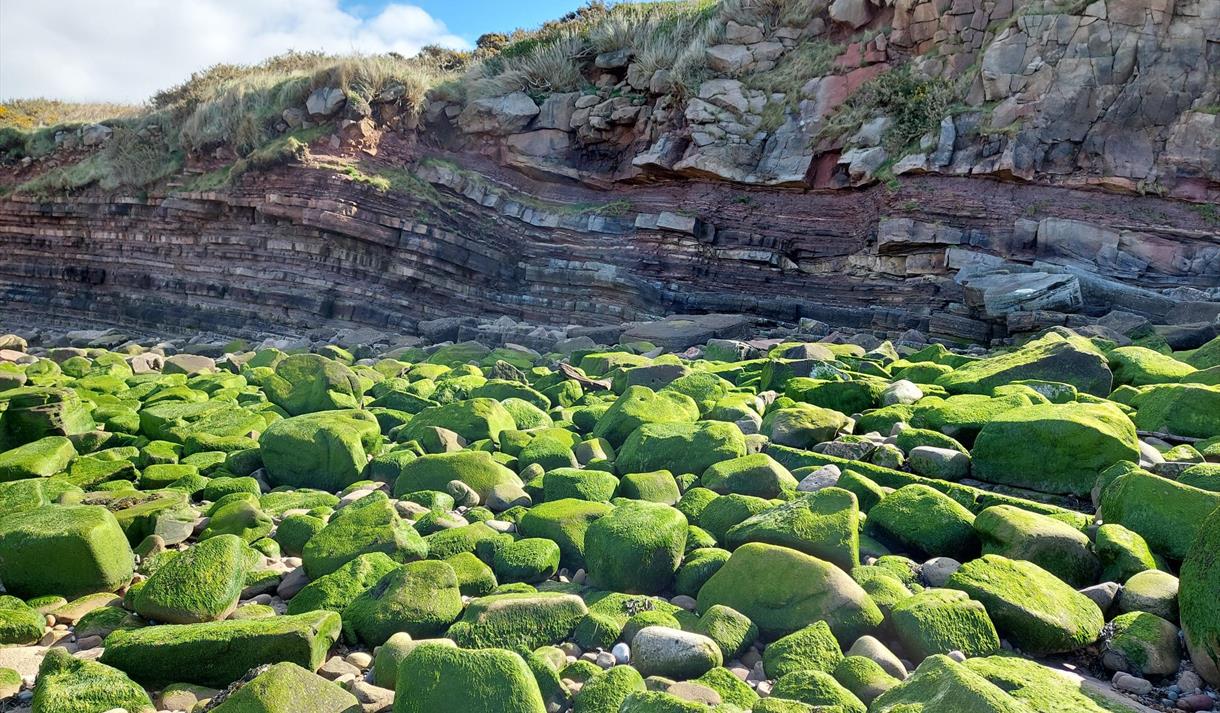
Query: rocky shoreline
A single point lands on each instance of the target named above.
(698, 513)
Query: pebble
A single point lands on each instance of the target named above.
(685, 602)
(1131, 684)
(937, 570)
(570, 649)
(370, 697)
(359, 659)
(605, 659)
(292, 583)
(1196, 702)
(88, 642)
(1189, 682)
(621, 652)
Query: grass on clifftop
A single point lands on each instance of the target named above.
(234, 106)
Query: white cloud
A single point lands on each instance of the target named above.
(124, 50)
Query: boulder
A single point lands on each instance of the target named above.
(938, 621)
(305, 383)
(499, 116)
(1053, 357)
(327, 450)
(942, 684)
(1054, 448)
(814, 590)
(639, 405)
(512, 621)
(921, 519)
(203, 583)
(436, 678)
(636, 548)
(1052, 544)
(680, 447)
(371, 524)
(38, 459)
(813, 648)
(1200, 580)
(824, 524)
(420, 598)
(64, 550)
(757, 474)
(220, 652)
(1030, 607)
(673, 653)
(476, 469)
(66, 683)
(286, 687)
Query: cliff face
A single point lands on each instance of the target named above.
(1071, 167)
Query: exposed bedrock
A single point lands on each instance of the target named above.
(300, 247)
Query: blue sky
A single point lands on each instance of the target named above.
(68, 49)
(470, 18)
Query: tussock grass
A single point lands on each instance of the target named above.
(29, 114)
(225, 105)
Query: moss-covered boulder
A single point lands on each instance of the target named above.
(824, 524)
(1052, 544)
(813, 648)
(941, 685)
(566, 523)
(1043, 689)
(937, 621)
(812, 590)
(639, 405)
(606, 690)
(680, 447)
(64, 550)
(443, 679)
(305, 383)
(37, 459)
(530, 560)
(286, 688)
(1029, 606)
(1191, 410)
(370, 524)
(658, 486)
(1053, 448)
(327, 450)
(1168, 515)
(1200, 580)
(201, 584)
(472, 419)
(636, 548)
(922, 520)
(488, 478)
(595, 485)
(818, 689)
(420, 598)
(1053, 357)
(335, 591)
(1122, 553)
(804, 425)
(757, 474)
(19, 622)
(864, 677)
(32, 413)
(67, 684)
(239, 517)
(514, 621)
(219, 652)
(1141, 643)
(1140, 366)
